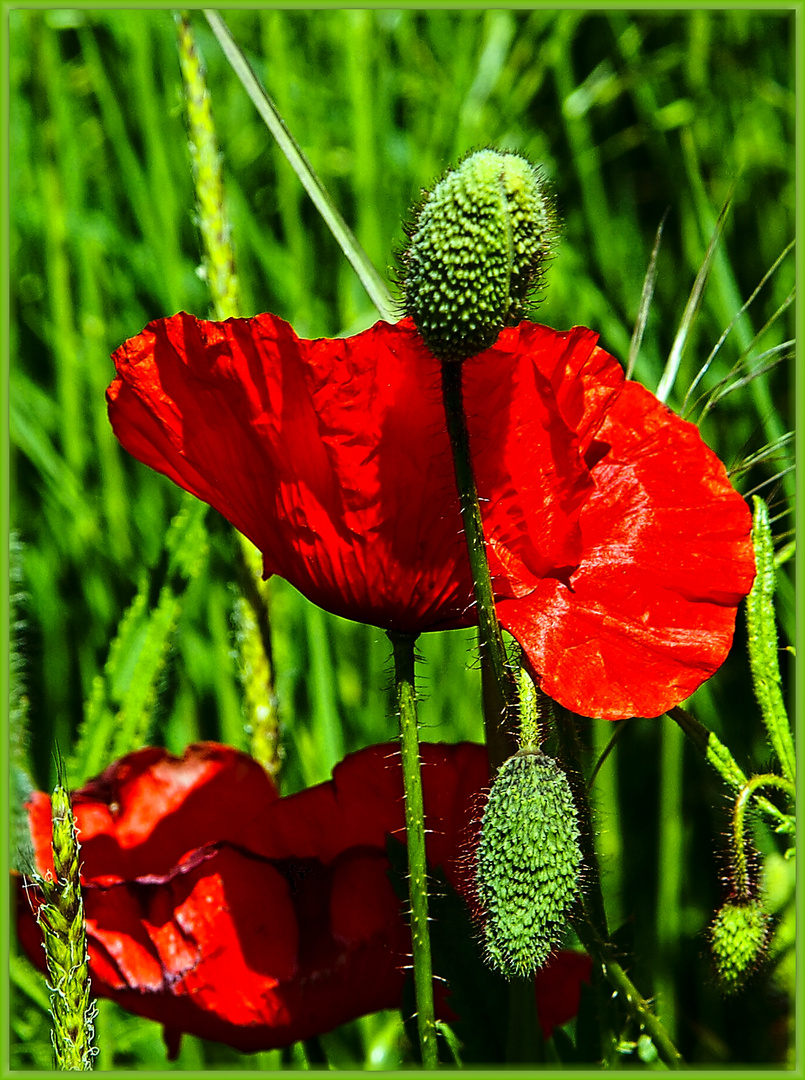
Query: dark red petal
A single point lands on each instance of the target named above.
(284, 923)
(251, 941)
(558, 988)
(650, 612)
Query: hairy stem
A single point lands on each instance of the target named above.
(403, 646)
(636, 1005)
(719, 757)
(501, 694)
(741, 862)
(762, 641)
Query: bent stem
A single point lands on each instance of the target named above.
(503, 691)
(719, 757)
(741, 861)
(500, 691)
(403, 646)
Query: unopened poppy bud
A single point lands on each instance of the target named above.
(477, 252)
(738, 941)
(529, 861)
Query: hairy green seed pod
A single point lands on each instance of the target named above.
(529, 862)
(477, 251)
(738, 939)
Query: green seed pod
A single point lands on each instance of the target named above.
(477, 252)
(529, 862)
(738, 941)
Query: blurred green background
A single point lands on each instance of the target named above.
(631, 115)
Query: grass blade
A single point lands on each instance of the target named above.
(357, 257)
(645, 301)
(691, 308)
(744, 307)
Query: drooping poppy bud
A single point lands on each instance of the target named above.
(477, 252)
(529, 861)
(738, 939)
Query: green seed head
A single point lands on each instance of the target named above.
(738, 940)
(61, 920)
(477, 251)
(529, 862)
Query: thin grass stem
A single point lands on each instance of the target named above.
(691, 308)
(645, 301)
(744, 307)
(347, 241)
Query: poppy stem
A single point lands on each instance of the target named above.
(403, 646)
(500, 689)
(742, 882)
(763, 647)
(634, 1003)
(720, 758)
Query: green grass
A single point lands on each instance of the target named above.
(630, 115)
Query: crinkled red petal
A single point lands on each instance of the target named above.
(618, 549)
(219, 909)
(649, 614)
(332, 456)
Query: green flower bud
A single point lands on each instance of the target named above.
(738, 941)
(477, 252)
(529, 861)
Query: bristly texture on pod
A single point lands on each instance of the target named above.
(529, 861)
(477, 252)
(738, 939)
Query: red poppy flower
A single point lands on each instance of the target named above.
(219, 909)
(618, 549)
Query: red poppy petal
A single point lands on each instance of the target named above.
(650, 612)
(333, 457)
(150, 809)
(255, 949)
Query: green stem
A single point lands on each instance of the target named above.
(762, 641)
(403, 646)
(535, 708)
(524, 1042)
(636, 1005)
(571, 755)
(742, 882)
(570, 752)
(502, 693)
(214, 226)
(719, 757)
(218, 256)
